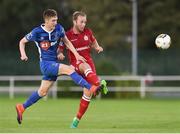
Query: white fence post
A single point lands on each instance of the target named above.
(54, 90)
(11, 87)
(143, 88)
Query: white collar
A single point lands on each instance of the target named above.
(42, 26)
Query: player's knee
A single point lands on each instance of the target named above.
(70, 70)
(84, 66)
(65, 69)
(42, 92)
(87, 93)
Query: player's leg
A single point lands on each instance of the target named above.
(33, 98)
(91, 77)
(103, 83)
(43, 90)
(79, 80)
(86, 98)
(90, 73)
(83, 106)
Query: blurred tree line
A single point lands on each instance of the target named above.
(111, 22)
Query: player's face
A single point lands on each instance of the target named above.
(51, 22)
(80, 23)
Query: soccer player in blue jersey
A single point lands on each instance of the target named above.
(47, 37)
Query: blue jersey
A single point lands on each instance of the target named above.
(47, 42)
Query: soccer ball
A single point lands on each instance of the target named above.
(163, 41)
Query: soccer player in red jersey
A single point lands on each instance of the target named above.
(83, 40)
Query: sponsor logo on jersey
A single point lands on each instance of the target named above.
(53, 43)
(74, 40)
(45, 45)
(82, 48)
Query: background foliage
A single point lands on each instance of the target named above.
(110, 21)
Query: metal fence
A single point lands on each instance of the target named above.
(144, 84)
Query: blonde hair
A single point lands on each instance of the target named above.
(78, 13)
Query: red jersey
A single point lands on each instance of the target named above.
(82, 43)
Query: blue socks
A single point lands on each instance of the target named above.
(32, 99)
(79, 80)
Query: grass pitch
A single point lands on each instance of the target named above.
(103, 116)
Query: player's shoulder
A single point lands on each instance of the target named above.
(34, 32)
(69, 32)
(59, 27)
(37, 29)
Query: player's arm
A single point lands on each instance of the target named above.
(94, 43)
(22, 44)
(96, 46)
(72, 49)
(60, 51)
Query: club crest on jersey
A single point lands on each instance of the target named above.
(85, 37)
(45, 45)
(56, 36)
(42, 38)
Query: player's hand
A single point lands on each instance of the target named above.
(24, 58)
(99, 49)
(61, 56)
(80, 58)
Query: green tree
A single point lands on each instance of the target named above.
(109, 19)
(155, 17)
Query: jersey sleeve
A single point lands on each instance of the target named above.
(92, 38)
(61, 31)
(32, 36)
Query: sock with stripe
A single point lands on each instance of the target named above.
(84, 103)
(92, 77)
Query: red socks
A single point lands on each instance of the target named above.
(92, 78)
(84, 103)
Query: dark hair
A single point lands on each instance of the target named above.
(49, 13)
(78, 13)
